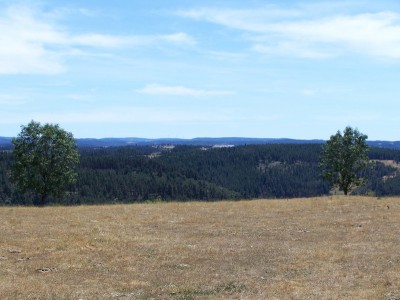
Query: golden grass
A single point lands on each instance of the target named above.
(320, 248)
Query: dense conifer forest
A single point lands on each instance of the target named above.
(184, 173)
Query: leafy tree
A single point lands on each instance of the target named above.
(45, 160)
(343, 158)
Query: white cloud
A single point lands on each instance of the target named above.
(131, 115)
(11, 100)
(179, 38)
(80, 97)
(141, 115)
(309, 92)
(349, 118)
(156, 89)
(31, 42)
(98, 40)
(23, 42)
(228, 56)
(300, 32)
(243, 19)
(109, 41)
(291, 48)
(371, 34)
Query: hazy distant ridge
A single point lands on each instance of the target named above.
(110, 142)
(204, 141)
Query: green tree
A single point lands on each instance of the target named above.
(45, 160)
(344, 157)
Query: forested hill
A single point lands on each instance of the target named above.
(5, 142)
(183, 173)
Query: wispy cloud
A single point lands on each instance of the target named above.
(130, 115)
(144, 115)
(23, 41)
(109, 41)
(11, 100)
(350, 118)
(227, 56)
(309, 92)
(80, 97)
(164, 90)
(33, 42)
(299, 32)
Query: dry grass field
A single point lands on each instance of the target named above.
(320, 248)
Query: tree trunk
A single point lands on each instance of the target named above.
(345, 190)
(43, 200)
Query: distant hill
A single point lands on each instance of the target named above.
(385, 144)
(5, 142)
(234, 141)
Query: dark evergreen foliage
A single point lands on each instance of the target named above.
(185, 173)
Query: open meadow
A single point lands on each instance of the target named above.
(318, 248)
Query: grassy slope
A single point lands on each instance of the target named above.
(322, 248)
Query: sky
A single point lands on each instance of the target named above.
(185, 69)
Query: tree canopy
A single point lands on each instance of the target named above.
(45, 160)
(147, 173)
(344, 157)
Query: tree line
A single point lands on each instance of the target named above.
(44, 164)
(184, 173)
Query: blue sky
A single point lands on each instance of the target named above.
(184, 69)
